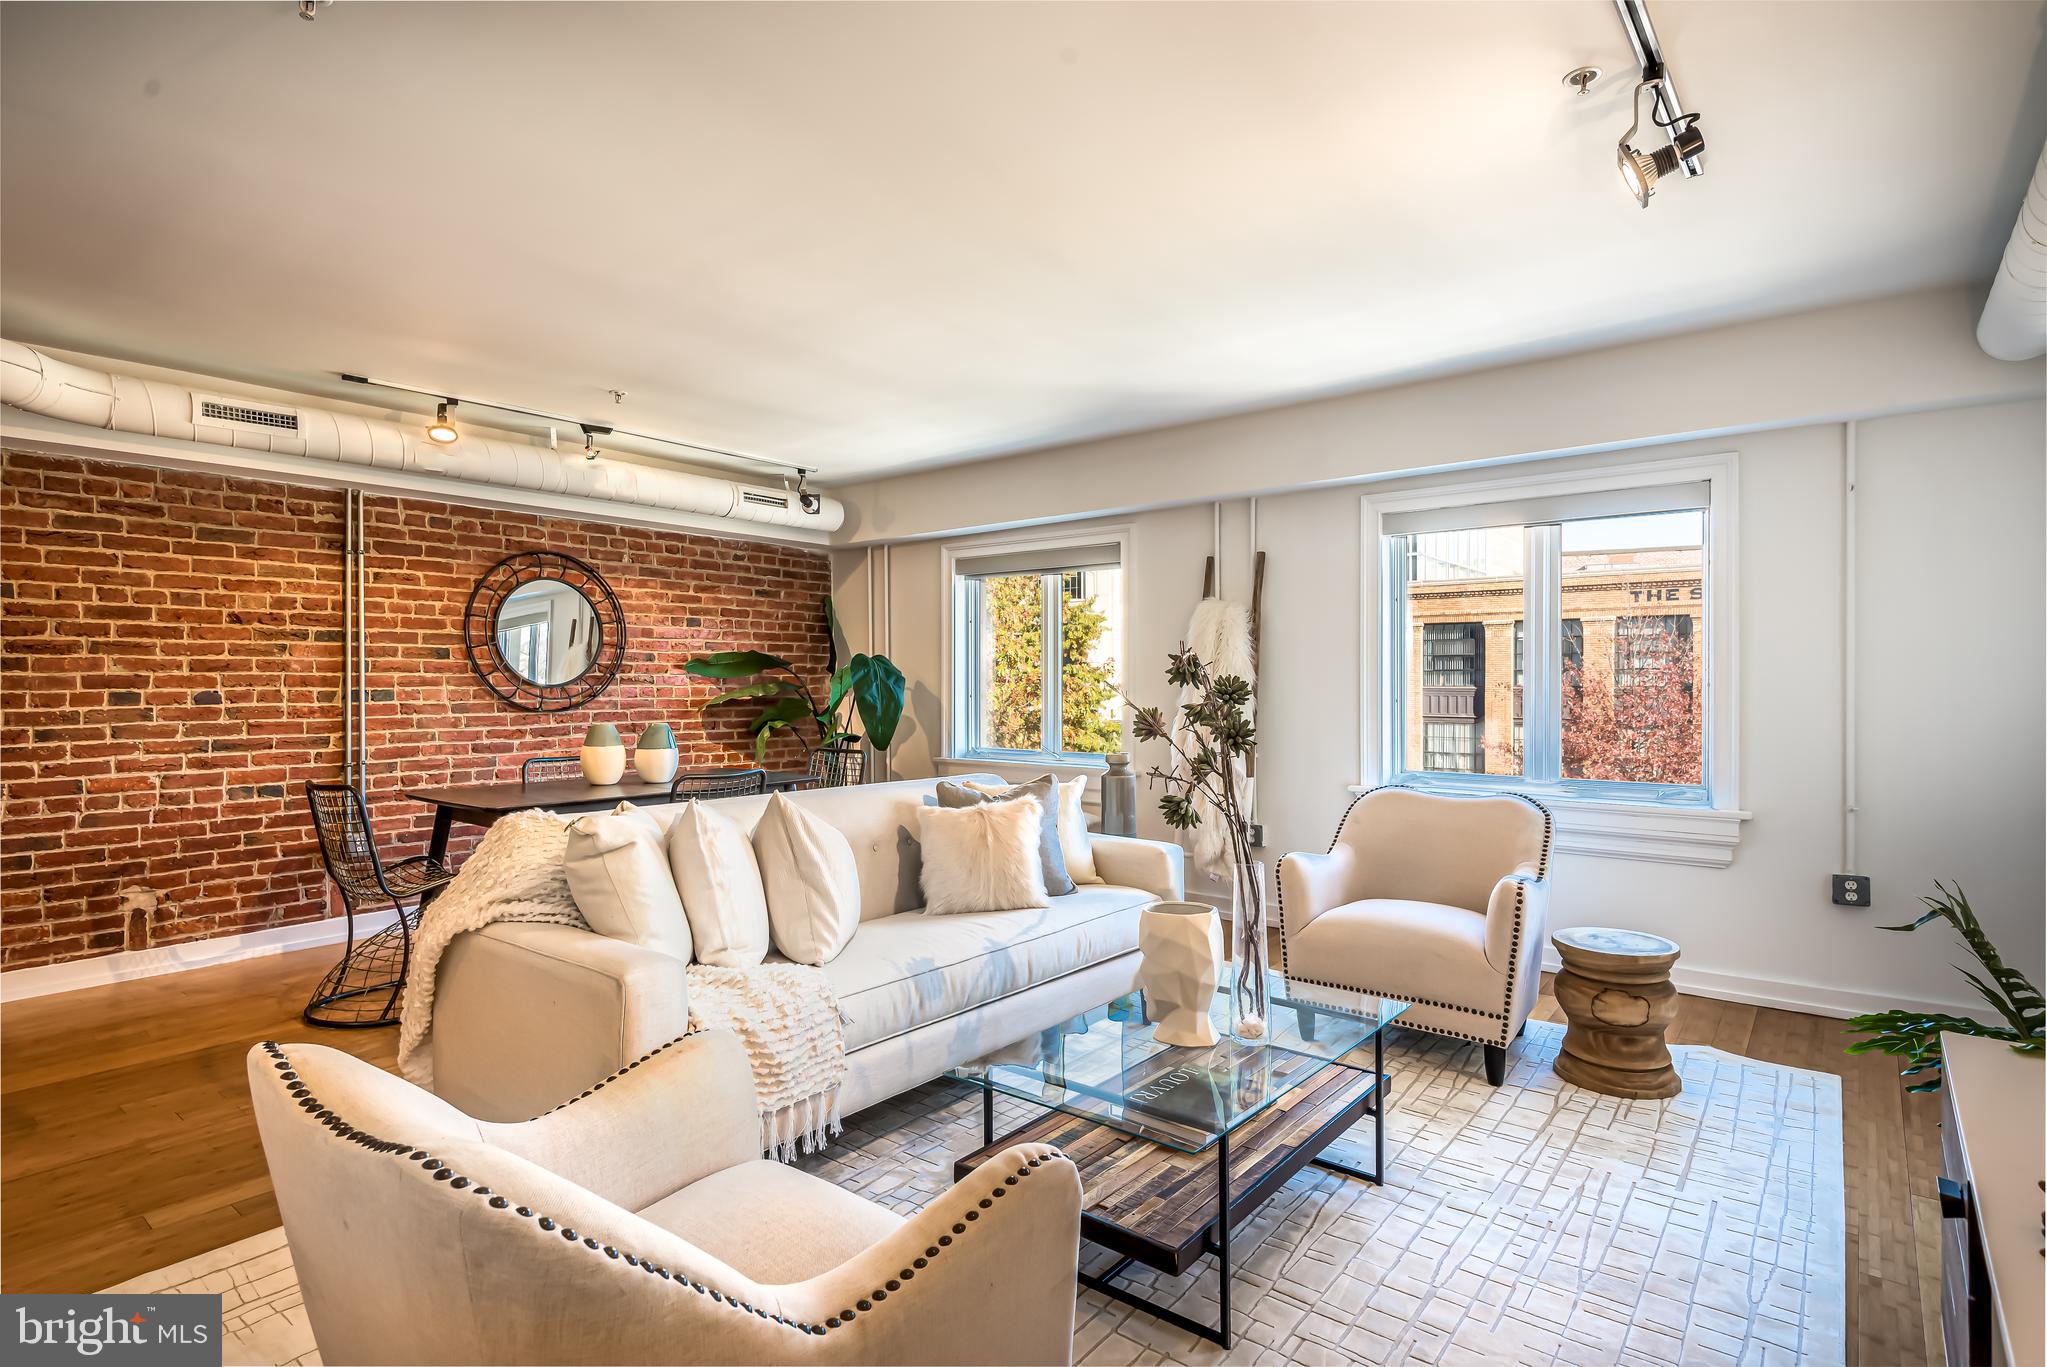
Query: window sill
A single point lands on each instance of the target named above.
(1657, 833)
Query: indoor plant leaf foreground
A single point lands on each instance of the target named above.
(1915, 1035)
(868, 687)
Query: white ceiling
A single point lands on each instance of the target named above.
(868, 237)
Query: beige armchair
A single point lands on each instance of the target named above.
(638, 1224)
(1438, 901)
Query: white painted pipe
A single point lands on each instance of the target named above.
(41, 383)
(2014, 322)
(1850, 649)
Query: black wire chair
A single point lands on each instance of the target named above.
(374, 967)
(707, 784)
(835, 766)
(548, 768)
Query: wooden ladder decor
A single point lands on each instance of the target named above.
(1257, 627)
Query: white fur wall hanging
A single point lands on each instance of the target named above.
(1220, 634)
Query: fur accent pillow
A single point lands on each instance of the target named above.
(1046, 790)
(982, 858)
(1074, 847)
(713, 865)
(813, 885)
(618, 873)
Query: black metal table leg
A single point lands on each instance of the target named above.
(1222, 1220)
(987, 1112)
(437, 846)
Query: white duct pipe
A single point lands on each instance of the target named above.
(41, 383)
(2014, 322)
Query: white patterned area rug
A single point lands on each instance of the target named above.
(1533, 1225)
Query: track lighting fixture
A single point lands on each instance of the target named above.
(810, 502)
(440, 429)
(1641, 170)
(1684, 148)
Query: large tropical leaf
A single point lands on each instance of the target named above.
(831, 638)
(766, 688)
(877, 689)
(734, 664)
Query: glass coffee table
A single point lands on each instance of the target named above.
(1176, 1145)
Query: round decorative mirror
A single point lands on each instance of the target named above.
(544, 631)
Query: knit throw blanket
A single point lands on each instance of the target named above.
(514, 874)
(788, 1018)
(785, 1014)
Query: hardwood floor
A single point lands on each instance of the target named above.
(128, 1142)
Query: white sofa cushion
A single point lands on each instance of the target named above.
(713, 865)
(812, 883)
(983, 858)
(1425, 951)
(909, 970)
(774, 1223)
(618, 873)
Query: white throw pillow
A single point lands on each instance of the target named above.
(982, 858)
(618, 874)
(714, 869)
(1073, 831)
(812, 883)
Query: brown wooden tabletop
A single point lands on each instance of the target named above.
(482, 803)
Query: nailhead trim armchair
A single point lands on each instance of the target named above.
(1435, 900)
(639, 1225)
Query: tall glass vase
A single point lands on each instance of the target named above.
(1247, 951)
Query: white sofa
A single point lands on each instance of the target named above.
(640, 1225)
(526, 1014)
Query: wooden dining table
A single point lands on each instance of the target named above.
(480, 804)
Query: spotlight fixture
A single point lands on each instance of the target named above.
(440, 429)
(590, 434)
(812, 503)
(1684, 147)
(1641, 170)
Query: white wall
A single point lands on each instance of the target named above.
(1951, 563)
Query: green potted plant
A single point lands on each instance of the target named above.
(867, 687)
(1915, 1035)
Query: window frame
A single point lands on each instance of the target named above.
(961, 631)
(1383, 681)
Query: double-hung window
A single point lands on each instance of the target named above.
(1036, 644)
(1560, 635)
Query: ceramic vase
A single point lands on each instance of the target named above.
(1119, 796)
(1182, 948)
(603, 754)
(655, 758)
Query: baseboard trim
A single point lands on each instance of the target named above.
(1814, 999)
(43, 980)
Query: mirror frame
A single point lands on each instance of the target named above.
(480, 634)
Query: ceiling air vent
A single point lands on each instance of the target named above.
(764, 500)
(272, 419)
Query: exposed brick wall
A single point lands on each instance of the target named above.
(170, 656)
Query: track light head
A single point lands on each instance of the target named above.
(1641, 170)
(591, 431)
(440, 430)
(811, 503)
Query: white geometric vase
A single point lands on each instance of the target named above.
(1182, 948)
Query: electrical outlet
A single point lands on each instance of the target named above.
(1853, 890)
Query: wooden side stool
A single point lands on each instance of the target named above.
(1615, 990)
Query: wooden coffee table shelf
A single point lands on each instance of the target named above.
(1162, 1206)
